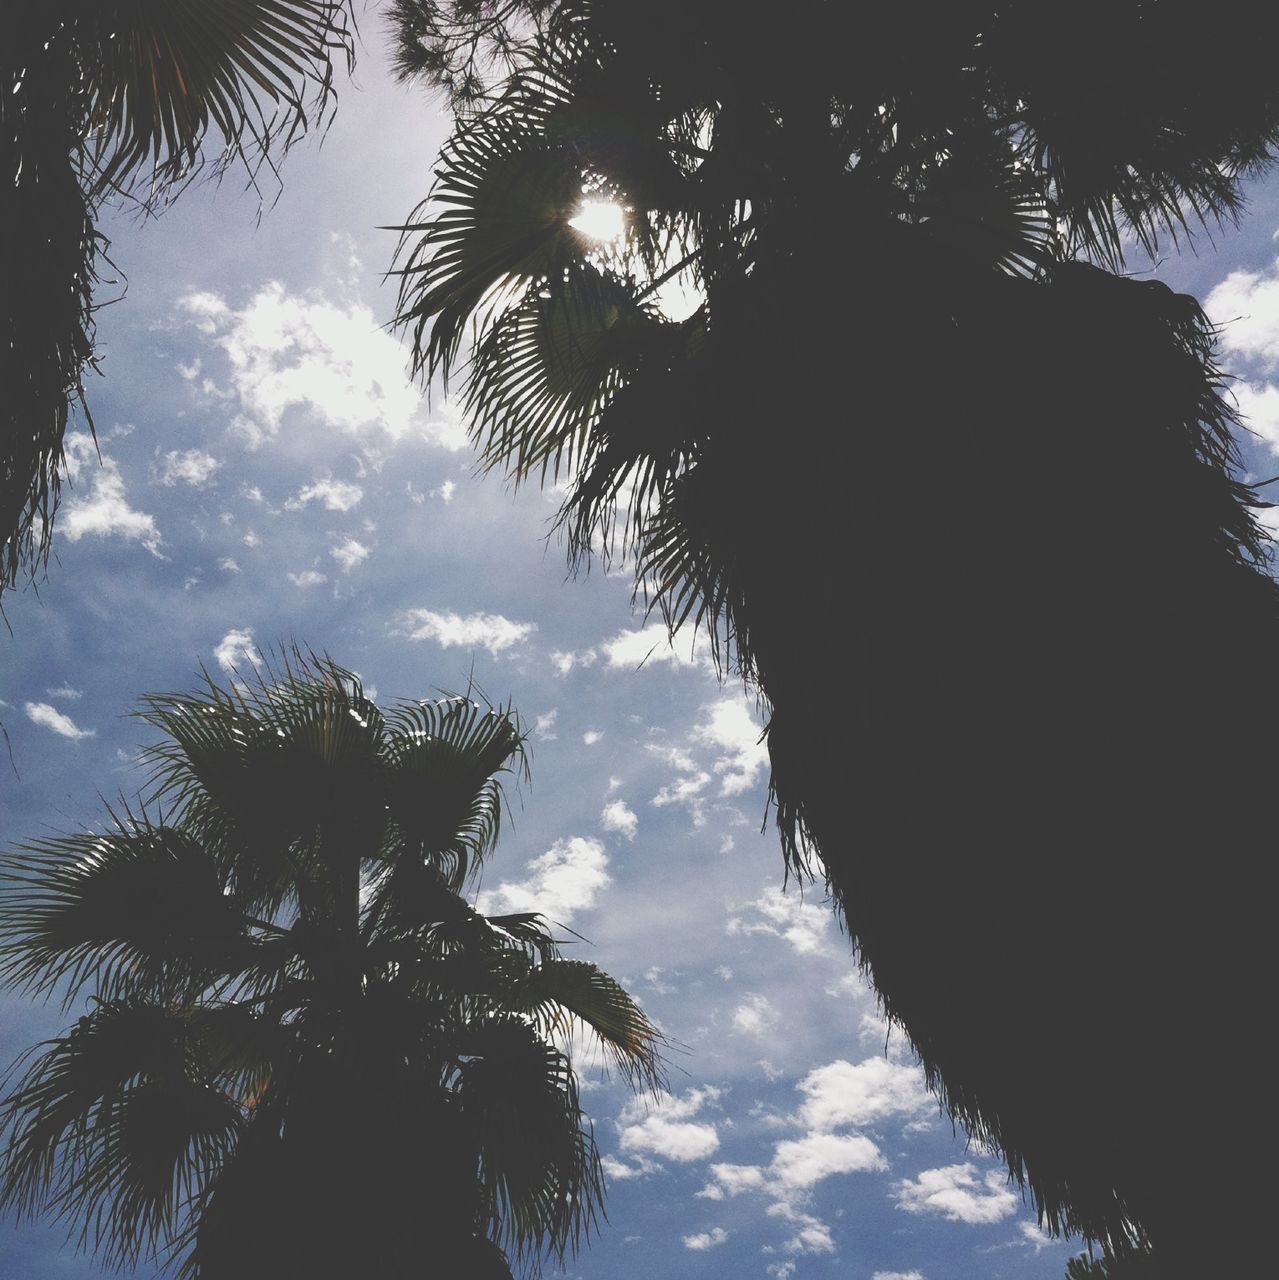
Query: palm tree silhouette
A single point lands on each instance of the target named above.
(118, 99)
(305, 1053)
(956, 496)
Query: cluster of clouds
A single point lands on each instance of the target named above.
(829, 1134)
(289, 351)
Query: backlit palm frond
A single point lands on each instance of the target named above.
(562, 996)
(441, 759)
(113, 1128)
(264, 769)
(494, 226)
(542, 374)
(158, 74)
(539, 1169)
(137, 909)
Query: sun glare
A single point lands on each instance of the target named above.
(601, 220)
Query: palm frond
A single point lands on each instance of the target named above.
(563, 995)
(139, 908)
(114, 1128)
(505, 197)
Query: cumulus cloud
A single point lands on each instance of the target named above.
(733, 732)
(755, 1015)
(706, 1239)
(804, 925)
(1246, 307)
(650, 646)
(236, 648)
(841, 1093)
(65, 691)
(48, 717)
(563, 881)
(335, 495)
(959, 1194)
(732, 1180)
(101, 510)
(349, 553)
(488, 631)
(307, 578)
(618, 816)
(188, 466)
(666, 1128)
(811, 1234)
(803, 1162)
(564, 660)
(335, 363)
(544, 726)
(898, 1275)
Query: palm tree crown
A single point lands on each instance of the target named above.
(305, 1052)
(905, 436)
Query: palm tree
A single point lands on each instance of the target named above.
(304, 1052)
(953, 493)
(118, 98)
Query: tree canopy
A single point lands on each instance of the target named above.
(953, 491)
(304, 1052)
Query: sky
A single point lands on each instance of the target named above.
(266, 473)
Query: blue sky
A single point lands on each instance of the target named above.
(268, 474)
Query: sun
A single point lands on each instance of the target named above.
(600, 220)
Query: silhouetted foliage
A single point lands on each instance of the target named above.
(953, 494)
(305, 1053)
(1132, 1266)
(107, 98)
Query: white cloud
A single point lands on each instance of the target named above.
(488, 631)
(335, 363)
(1035, 1236)
(350, 553)
(564, 660)
(706, 1239)
(732, 1180)
(235, 648)
(666, 1128)
(544, 727)
(1246, 307)
(812, 1235)
(755, 1015)
(103, 510)
(840, 1093)
(189, 466)
(229, 565)
(48, 717)
(682, 791)
(1259, 410)
(592, 736)
(730, 727)
(564, 880)
(447, 490)
(957, 1193)
(66, 692)
(307, 578)
(898, 1275)
(618, 816)
(650, 646)
(336, 495)
(620, 1171)
(802, 1163)
(804, 925)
